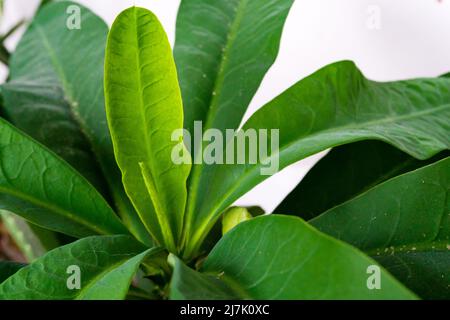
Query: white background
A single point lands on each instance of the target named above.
(388, 39)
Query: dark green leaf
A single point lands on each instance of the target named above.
(42, 188)
(56, 96)
(144, 108)
(334, 106)
(282, 257)
(8, 268)
(188, 284)
(403, 223)
(345, 172)
(106, 265)
(223, 50)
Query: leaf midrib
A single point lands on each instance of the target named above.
(148, 152)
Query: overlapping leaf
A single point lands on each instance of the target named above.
(56, 96)
(188, 284)
(281, 257)
(105, 266)
(223, 49)
(334, 106)
(345, 172)
(403, 223)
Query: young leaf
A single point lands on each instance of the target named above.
(57, 98)
(334, 106)
(100, 267)
(282, 257)
(188, 284)
(403, 223)
(144, 108)
(345, 172)
(42, 188)
(233, 216)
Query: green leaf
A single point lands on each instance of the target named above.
(114, 284)
(8, 268)
(282, 257)
(345, 172)
(106, 265)
(56, 97)
(403, 223)
(42, 188)
(223, 49)
(32, 240)
(334, 106)
(144, 108)
(188, 284)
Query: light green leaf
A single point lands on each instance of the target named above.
(233, 216)
(144, 108)
(188, 284)
(106, 265)
(8, 268)
(282, 257)
(42, 188)
(345, 172)
(334, 106)
(57, 98)
(403, 223)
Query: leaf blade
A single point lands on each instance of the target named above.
(106, 286)
(345, 172)
(56, 97)
(141, 86)
(46, 191)
(223, 49)
(334, 106)
(282, 257)
(188, 284)
(404, 223)
(47, 277)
